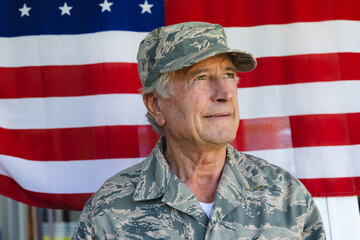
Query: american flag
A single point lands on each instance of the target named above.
(71, 115)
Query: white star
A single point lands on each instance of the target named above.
(25, 10)
(146, 7)
(106, 6)
(65, 9)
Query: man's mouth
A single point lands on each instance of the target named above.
(218, 115)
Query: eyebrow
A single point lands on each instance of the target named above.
(198, 71)
(201, 70)
(231, 69)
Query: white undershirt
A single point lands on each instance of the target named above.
(207, 208)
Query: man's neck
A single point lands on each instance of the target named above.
(199, 170)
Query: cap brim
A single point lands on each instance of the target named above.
(243, 61)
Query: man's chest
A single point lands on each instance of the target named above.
(164, 222)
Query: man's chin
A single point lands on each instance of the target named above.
(221, 139)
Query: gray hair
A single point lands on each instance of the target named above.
(161, 87)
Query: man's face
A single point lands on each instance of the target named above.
(203, 109)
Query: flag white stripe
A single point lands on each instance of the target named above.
(62, 176)
(297, 38)
(262, 41)
(128, 109)
(87, 176)
(315, 162)
(71, 112)
(299, 99)
(44, 50)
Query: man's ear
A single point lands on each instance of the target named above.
(153, 105)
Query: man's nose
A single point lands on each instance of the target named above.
(223, 89)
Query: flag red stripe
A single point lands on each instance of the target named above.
(78, 143)
(251, 13)
(330, 130)
(323, 187)
(303, 69)
(63, 81)
(12, 189)
(105, 78)
(137, 141)
(298, 131)
(333, 187)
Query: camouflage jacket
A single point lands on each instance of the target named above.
(254, 200)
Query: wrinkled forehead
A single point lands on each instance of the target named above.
(218, 60)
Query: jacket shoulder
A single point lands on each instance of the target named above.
(279, 178)
(275, 173)
(118, 188)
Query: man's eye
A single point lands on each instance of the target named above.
(202, 77)
(229, 75)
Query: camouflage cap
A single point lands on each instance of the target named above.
(174, 47)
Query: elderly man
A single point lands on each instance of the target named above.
(194, 185)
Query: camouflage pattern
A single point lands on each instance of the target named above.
(174, 47)
(254, 200)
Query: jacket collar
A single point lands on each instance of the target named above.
(158, 181)
(239, 178)
(155, 175)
